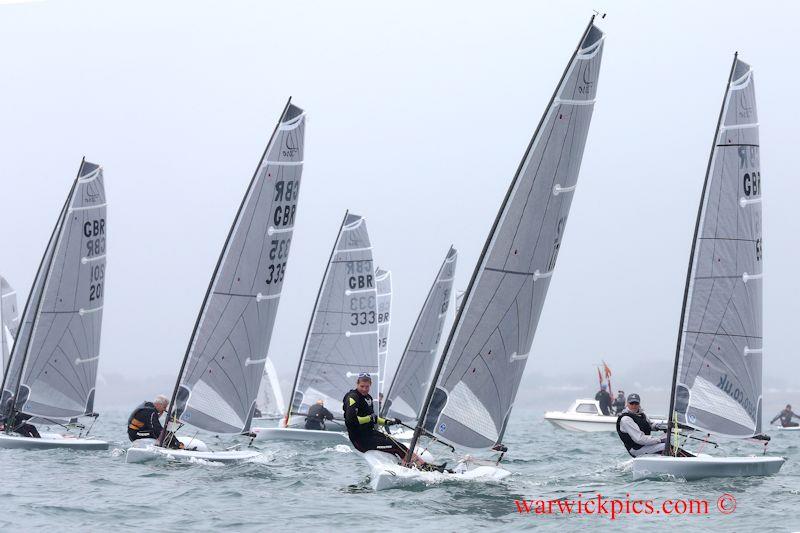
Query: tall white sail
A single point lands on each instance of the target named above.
(60, 350)
(490, 343)
(717, 386)
(342, 338)
(412, 379)
(9, 318)
(225, 360)
(270, 398)
(383, 281)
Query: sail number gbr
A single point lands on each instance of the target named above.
(95, 233)
(285, 202)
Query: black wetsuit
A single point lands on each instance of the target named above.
(605, 401)
(317, 415)
(786, 418)
(19, 421)
(358, 416)
(144, 423)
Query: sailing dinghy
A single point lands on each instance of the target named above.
(716, 383)
(222, 369)
(472, 392)
(52, 367)
(9, 318)
(342, 336)
(411, 380)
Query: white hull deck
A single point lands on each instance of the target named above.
(580, 422)
(145, 450)
(703, 466)
(387, 473)
(51, 441)
(314, 435)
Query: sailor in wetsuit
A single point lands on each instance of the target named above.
(361, 421)
(317, 415)
(634, 429)
(18, 421)
(786, 418)
(144, 423)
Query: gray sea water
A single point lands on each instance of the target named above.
(322, 487)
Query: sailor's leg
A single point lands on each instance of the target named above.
(649, 449)
(384, 443)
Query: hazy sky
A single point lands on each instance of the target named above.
(418, 116)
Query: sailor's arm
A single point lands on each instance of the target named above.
(627, 425)
(776, 417)
(155, 423)
(327, 415)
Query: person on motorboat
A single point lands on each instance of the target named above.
(317, 415)
(17, 421)
(144, 422)
(634, 429)
(619, 402)
(362, 423)
(604, 398)
(786, 417)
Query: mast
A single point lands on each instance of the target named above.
(388, 394)
(692, 253)
(171, 408)
(311, 321)
(426, 404)
(54, 237)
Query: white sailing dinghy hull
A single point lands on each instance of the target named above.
(145, 450)
(581, 423)
(794, 428)
(704, 466)
(387, 473)
(51, 441)
(315, 435)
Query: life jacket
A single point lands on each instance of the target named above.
(641, 421)
(140, 417)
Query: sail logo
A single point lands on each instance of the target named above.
(737, 394)
(588, 84)
(290, 149)
(745, 110)
(442, 427)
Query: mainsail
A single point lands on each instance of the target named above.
(222, 369)
(9, 318)
(717, 381)
(342, 338)
(270, 398)
(476, 383)
(383, 281)
(412, 379)
(58, 347)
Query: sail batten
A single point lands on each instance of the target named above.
(410, 383)
(482, 364)
(342, 338)
(717, 382)
(224, 364)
